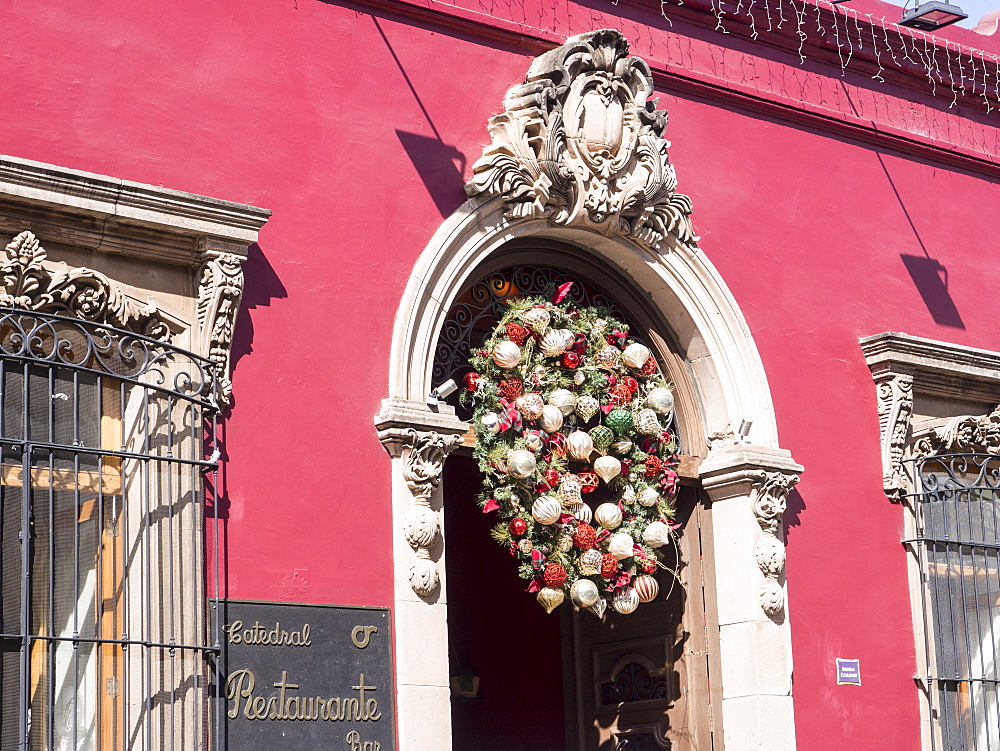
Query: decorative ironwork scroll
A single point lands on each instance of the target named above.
(633, 683)
(581, 144)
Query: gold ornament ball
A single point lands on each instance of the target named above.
(521, 463)
(530, 406)
(584, 593)
(506, 354)
(590, 562)
(550, 598)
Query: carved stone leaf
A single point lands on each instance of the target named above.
(581, 144)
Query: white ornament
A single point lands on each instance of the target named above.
(590, 562)
(521, 463)
(536, 319)
(628, 495)
(607, 468)
(626, 601)
(647, 423)
(553, 343)
(579, 377)
(506, 354)
(660, 400)
(525, 546)
(490, 422)
(530, 406)
(599, 607)
(635, 355)
(646, 587)
(534, 441)
(564, 399)
(584, 593)
(648, 497)
(580, 445)
(582, 512)
(656, 535)
(586, 407)
(621, 545)
(609, 516)
(569, 490)
(546, 510)
(568, 338)
(550, 598)
(551, 419)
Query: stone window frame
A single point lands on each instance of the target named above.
(924, 389)
(51, 213)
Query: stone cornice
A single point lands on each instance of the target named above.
(120, 216)
(940, 369)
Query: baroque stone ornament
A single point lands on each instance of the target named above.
(219, 293)
(581, 144)
(964, 434)
(770, 494)
(423, 454)
(895, 406)
(74, 292)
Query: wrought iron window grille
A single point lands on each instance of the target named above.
(105, 531)
(956, 511)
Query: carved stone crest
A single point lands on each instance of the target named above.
(581, 144)
(74, 292)
(964, 434)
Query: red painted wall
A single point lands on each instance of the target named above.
(357, 129)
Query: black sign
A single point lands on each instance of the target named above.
(306, 677)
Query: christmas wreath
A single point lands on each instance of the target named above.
(571, 417)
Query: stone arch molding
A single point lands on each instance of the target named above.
(578, 156)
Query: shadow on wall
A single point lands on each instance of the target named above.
(261, 285)
(440, 166)
(931, 281)
(794, 506)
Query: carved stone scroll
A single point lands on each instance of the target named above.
(219, 292)
(581, 144)
(74, 292)
(964, 434)
(770, 495)
(895, 406)
(423, 454)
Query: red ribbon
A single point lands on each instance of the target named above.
(561, 292)
(510, 417)
(490, 505)
(537, 559)
(534, 586)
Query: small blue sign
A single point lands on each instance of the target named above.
(848, 672)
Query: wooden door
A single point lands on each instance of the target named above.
(641, 682)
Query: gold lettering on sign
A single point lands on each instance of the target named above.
(284, 705)
(361, 635)
(354, 743)
(265, 637)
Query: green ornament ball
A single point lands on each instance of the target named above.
(620, 421)
(602, 437)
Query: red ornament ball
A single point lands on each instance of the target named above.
(517, 526)
(554, 575)
(646, 565)
(571, 360)
(609, 565)
(552, 477)
(584, 538)
(653, 466)
(620, 394)
(518, 333)
(649, 367)
(631, 383)
(510, 388)
(471, 381)
(588, 481)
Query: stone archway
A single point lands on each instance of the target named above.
(627, 214)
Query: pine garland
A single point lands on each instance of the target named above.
(573, 353)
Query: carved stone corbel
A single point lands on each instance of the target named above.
(423, 454)
(770, 493)
(220, 290)
(762, 478)
(895, 407)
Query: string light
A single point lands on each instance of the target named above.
(878, 57)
